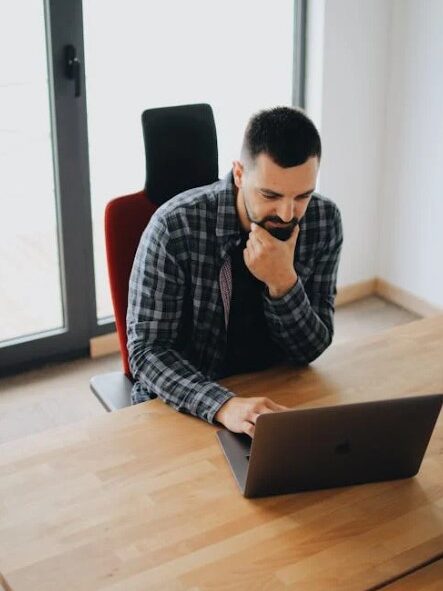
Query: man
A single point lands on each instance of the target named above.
(236, 276)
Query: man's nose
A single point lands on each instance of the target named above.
(286, 211)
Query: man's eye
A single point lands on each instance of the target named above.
(268, 196)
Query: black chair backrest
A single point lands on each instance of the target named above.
(181, 150)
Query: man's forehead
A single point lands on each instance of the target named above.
(268, 174)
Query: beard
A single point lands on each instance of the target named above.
(283, 233)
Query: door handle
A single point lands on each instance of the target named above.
(73, 68)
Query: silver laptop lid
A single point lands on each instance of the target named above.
(333, 446)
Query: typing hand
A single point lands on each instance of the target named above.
(239, 414)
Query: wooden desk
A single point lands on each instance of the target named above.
(143, 499)
(428, 578)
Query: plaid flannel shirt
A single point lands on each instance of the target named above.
(180, 290)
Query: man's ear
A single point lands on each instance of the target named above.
(237, 171)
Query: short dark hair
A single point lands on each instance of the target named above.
(285, 134)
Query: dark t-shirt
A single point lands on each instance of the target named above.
(249, 345)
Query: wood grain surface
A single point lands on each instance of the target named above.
(143, 499)
(428, 578)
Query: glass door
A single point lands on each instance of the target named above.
(47, 298)
(31, 293)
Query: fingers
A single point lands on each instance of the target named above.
(254, 244)
(254, 415)
(293, 239)
(240, 414)
(264, 403)
(274, 406)
(252, 250)
(246, 257)
(248, 428)
(259, 234)
(266, 406)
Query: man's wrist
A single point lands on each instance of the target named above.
(219, 414)
(281, 289)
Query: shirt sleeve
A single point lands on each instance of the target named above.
(302, 321)
(155, 307)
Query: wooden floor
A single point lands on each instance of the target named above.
(55, 395)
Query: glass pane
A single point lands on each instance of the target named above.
(236, 56)
(30, 294)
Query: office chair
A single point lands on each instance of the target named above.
(181, 153)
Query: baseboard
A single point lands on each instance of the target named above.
(379, 287)
(355, 292)
(104, 345)
(107, 344)
(406, 299)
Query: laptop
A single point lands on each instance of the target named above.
(328, 447)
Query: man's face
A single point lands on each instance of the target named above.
(273, 197)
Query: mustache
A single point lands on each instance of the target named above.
(276, 220)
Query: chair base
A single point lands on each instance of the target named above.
(113, 390)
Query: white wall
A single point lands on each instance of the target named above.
(351, 118)
(411, 205)
(375, 89)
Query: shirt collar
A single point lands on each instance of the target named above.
(228, 224)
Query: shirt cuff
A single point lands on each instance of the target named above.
(293, 300)
(209, 401)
